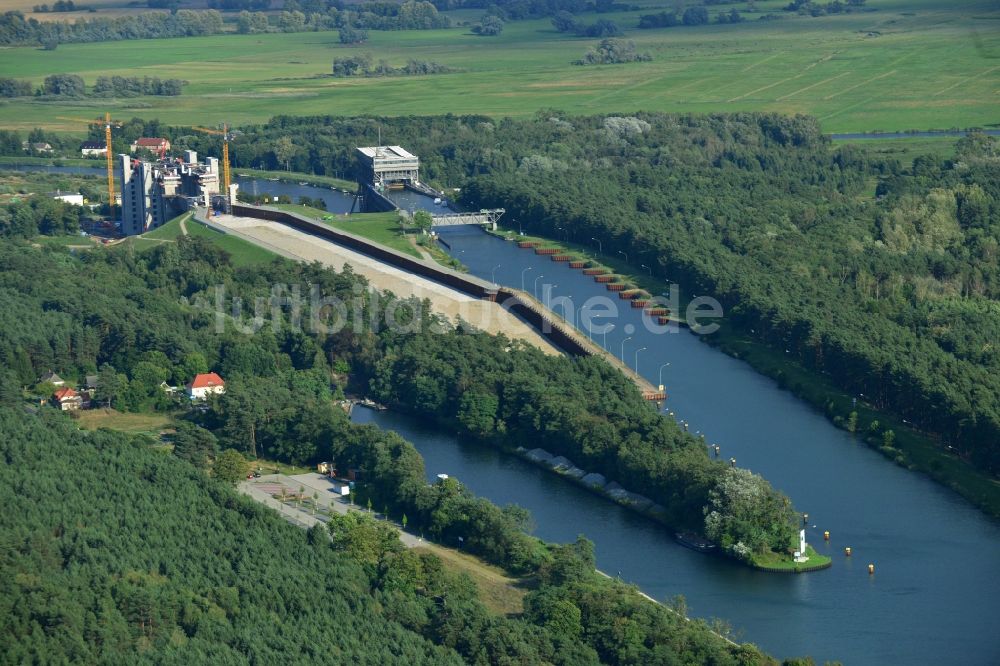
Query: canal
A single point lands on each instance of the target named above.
(934, 595)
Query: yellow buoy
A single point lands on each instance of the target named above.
(871, 568)
(826, 535)
(847, 551)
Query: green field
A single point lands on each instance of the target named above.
(382, 228)
(243, 253)
(902, 64)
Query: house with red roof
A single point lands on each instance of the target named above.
(67, 399)
(152, 144)
(204, 385)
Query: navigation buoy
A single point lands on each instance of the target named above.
(871, 569)
(847, 551)
(826, 535)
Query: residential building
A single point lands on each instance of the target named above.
(95, 148)
(204, 385)
(43, 147)
(51, 378)
(67, 399)
(152, 144)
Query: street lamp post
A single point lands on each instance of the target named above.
(624, 255)
(493, 275)
(661, 374)
(600, 246)
(604, 333)
(622, 354)
(637, 359)
(534, 288)
(648, 269)
(522, 276)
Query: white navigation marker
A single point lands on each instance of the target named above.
(800, 554)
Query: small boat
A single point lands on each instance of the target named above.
(302, 182)
(437, 200)
(695, 542)
(274, 180)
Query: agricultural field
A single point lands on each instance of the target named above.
(901, 64)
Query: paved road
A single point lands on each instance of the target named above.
(262, 488)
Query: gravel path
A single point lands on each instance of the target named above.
(262, 489)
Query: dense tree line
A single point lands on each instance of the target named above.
(892, 296)
(132, 86)
(525, 9)
(695, 15)
(810, 8)
(202, 588)
(364, 65)
(15, 87)
(16, 30)
(352, 21)
(73, 85)
(39, 215)
(57, 6)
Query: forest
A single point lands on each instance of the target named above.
(883, 276)
(16, 30)
(117, 550)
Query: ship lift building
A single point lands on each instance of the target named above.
(388, 166)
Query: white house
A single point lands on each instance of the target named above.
(95, 148)
(204, 385)
(67, 399)
(51, 378)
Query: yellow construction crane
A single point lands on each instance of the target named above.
(108, 125)
(226, 138)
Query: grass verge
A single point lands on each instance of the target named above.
(93, 419)
(498, 591)
(382, 228)
(778, 563)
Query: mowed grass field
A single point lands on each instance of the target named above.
(904, 64)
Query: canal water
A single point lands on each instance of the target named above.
(935, 593)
